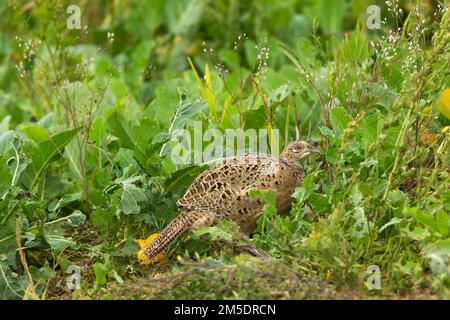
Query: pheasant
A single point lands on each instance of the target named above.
(223, 192)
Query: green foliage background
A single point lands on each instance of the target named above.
(88, 116)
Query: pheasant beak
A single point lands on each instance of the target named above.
(313, 149)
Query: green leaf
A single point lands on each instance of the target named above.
(131, 196)
(100, 272)
(64, 200)
(122, 129)
(35, 132)
(255, 118)
(214, 233)
(418, 233)
(391, 222)
(144, 17)
(104, 218)
(46, 120)
(370, 129)
(76, 218)
(98, 131)
(182, 178)
(269, 211)
(60, 243)
(150, 161)
(47, 152)
(439, 254)
(167, 99)
(443, 222)
(440, 247)
(327, 132)
(4, 124)
(339, 119)
(302, 193)
(132, 134)
(184, 112)
(279, 94)
(183, 15)
(17, 163)
(423, 217)
(128, 248)
(330, 13)
(4, 140)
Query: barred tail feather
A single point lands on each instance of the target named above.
(171, 232)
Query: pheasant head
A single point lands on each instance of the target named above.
(298, 150)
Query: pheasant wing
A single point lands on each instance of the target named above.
(219, 187)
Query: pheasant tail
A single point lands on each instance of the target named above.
(170, 233)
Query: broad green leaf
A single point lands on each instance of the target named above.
(443, 222)
(64, 201)
(134, 135)
(185, 111)
(128, 248)
(46, 152)
(35, 132)
(305, 49)
(182, 178)
(98, 131)
(122, 129)
(327, 132)
(339, 119)
(139, 138)
(423, 217)
(441, 247)
(17, 164)
(104, 218)
(46, 121)
(5, 140)
(418, 233)
(330, 13)
(166, 102)
(370, 129)
(255, 119)
(269, 210)
(279, 94)
(308, 187)
(60, 243)
(150, 161)
(76, 218)
(214, 233)
(319, 202)
(131, 196)
(100, 272)
(144, 17)
(4, 124)
(183, 15)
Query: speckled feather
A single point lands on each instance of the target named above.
(223, 191)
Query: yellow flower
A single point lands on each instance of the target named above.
(444, 103)
(143, 244)
(313, 235)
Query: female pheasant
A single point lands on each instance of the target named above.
(223, 191)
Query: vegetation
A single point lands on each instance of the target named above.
(89, 116)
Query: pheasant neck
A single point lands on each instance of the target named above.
(294, 165)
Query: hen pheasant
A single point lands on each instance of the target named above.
(223, 191)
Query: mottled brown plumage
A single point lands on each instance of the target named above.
(223, 191)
